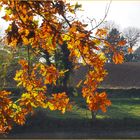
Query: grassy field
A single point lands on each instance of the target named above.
(123, 116)
(121, 108)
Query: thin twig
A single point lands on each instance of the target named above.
(103, 18)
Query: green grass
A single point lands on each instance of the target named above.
(121, 108)
(122, 115)
(121, 118)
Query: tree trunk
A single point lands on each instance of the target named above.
(67, 65)
(93, 114)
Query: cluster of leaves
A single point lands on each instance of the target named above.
(10, 112)
(98, 101)
(116, 41)
(26, 30)
(34, 83)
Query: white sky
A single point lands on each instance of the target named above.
(124, 13)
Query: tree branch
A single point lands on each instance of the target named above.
(103, 18)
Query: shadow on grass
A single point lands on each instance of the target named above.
(122, 116)
(42, 126)
(41, 123)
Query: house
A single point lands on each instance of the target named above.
(137, 55)
(122, 76)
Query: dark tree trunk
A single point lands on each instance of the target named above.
(67, 65)
(47, 56)
(93, 114)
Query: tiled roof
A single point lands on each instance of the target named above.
(125, 75)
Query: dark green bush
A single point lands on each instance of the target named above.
(122, 93)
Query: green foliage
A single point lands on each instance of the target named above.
(5, 60)
(62, 62)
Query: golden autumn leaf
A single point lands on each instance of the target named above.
(25, 41)
(29, 87)
(27, 32)
(85, 49)
(108, 102)
(8, 11)
(61, 73)
(63, 110)
(97, 41)
(13, 42)
(118, 58)
(121, 43)
(6, 17)
(51, 106)
(130, 50)
(24, 11)
(66, 37)
(20, 83)
(33, 105)
(0, 7)
(102, 56)
(103, 108)
(79, 83)
(26, 95)
(23, 63)
(18, 74)
(76, 53)
(107, 44)
(103, 95)
(70, 46)
(73, 29)
(101, 32)
(88, 100)
(3, 129)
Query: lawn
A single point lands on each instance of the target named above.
(121, 108)
(123, 116)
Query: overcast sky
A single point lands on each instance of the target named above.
(123, 13)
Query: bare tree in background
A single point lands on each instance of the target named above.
(132, 36)
(110, 25)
